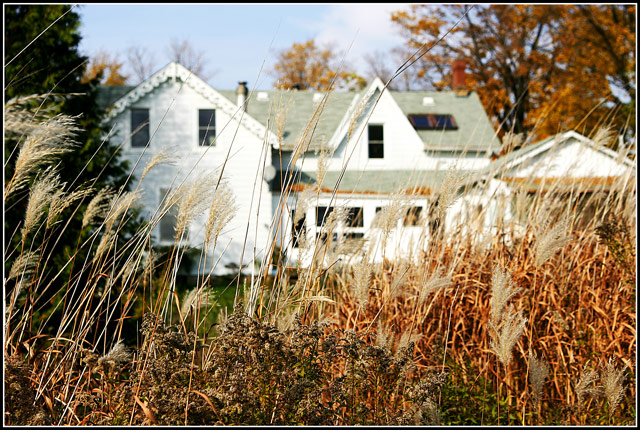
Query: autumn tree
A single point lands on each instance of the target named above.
(596, 87)
(538, 69)
(306, 66)
(106, 69)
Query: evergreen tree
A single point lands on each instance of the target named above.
(42, 57)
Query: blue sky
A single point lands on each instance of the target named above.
(238, 38)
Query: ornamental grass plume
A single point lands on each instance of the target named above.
(43, 145)
(303, 203)
(98, 206)
(361, 282)
(504, 338)
(118, 354)
(120, 205)
(538, 372)
(61, 201)
(23, 265)
(585, 387)
(194, 200)
(502, 290)
(39, 198)
(612, 384)
(196, 298)
(221, 211)
(436, 281)
(388, 217)
(550, 240)
(164, 156)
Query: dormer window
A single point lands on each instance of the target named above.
(139, 127)
(376, 141)
(432, 121)
(206, 127)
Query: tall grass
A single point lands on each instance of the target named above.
(521, 318)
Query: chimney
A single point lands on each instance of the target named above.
(459, 83)
(242, 92)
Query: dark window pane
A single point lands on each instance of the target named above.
(206, 137)
(206, 127)
(412, 216)
(139, 127)
(429, 121)
(322, 213)
(376, 141)
(354, 218)
(168, 221)
(376, 150)
(353, 235)
(299, 230)
(375, 133)
(207, 118)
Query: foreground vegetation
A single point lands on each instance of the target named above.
(534, 324)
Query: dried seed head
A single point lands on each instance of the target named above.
(164, 156)
(538, 372)
(23, 265)
(39, 198)
(361, 282)
(120, 205)
(196, 298)
(118, 354)
(550, 240)
(438, 280)
(45, 143)
(502, 290)
(612, 379)
(98, 206)
(222, 210)
(584, 386)
(506, 336)
(60, 201)
(194, 200)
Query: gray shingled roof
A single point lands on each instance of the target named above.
(109, 94)
(475, 131)
(297, 109)
(384, 181)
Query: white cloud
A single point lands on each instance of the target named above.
(367, 26)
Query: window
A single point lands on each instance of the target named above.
(355, 218)
(322, 213)
(431, 121)
(206, 127)
(139, 127)
(169, 220)
(376, 141)
(353, 235)
(299, 230)
(412, 216)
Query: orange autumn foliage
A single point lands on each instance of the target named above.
(105, 67)
(538, 69)
(306, 66)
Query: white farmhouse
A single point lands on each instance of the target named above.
(364, 151)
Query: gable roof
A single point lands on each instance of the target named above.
(299, 112)
(521, 156)
(176, 72)
(475, 131)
